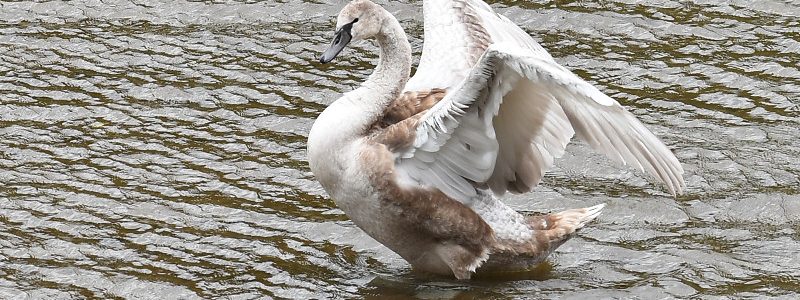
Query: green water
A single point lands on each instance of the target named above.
(156, 150)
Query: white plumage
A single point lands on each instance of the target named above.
(458, 140)
(417, 162)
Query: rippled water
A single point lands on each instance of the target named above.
(155, 149)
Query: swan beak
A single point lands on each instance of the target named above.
(341, 40)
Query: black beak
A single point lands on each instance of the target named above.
(342, 38)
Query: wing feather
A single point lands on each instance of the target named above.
(454, 41)
(510, 110)
(515, 112)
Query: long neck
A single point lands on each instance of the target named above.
(394, 65)
(390, 75)
(351, 116)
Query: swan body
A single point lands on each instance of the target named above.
(417, 163)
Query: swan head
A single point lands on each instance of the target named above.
(358, 20)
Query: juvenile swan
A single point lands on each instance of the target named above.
(417, 163)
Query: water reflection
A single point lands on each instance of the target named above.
(157, 150)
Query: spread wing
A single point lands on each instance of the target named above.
(454, 40)
(457, 32)
(512, 114)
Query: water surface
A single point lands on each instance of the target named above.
(156, 149)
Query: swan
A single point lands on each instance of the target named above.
(419, 163)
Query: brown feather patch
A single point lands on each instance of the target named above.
(397, 127)
(407, 105)
(428, 212)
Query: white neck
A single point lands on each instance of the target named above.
(394, 66)
(348, 119)
(389, 78)
(356, 111)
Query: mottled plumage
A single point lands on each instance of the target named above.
(417, 163)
